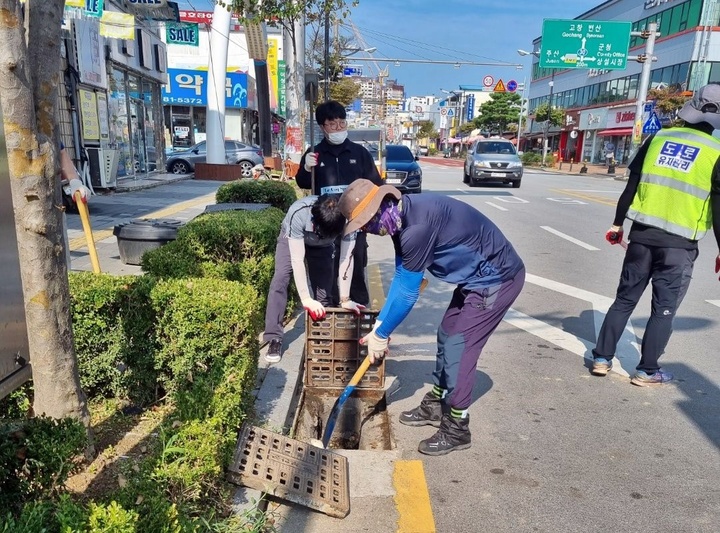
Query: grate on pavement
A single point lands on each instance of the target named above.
(292, 470)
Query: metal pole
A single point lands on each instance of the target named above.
(644, 77)
(326, 86)
(522, 103)
(546, 129)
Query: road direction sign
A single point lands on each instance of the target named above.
(652, 124)
(585, 44)
(499, 87)
(511, 86)
(488, 81)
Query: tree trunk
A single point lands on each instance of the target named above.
(29, 77)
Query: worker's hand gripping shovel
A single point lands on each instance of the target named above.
(85, 218)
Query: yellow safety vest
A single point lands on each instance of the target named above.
(674, 189)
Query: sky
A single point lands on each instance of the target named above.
(463, 30)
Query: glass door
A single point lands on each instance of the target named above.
(137, 128)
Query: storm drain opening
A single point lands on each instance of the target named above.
(363, 423)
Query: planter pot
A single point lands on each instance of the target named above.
(217, 172)
(138, 236)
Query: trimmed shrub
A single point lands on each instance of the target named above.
(36, 457)
(208, 332)
(531, 159)
(276, 193)
(113, 325)
(215, 245)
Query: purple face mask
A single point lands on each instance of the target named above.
(386, 221)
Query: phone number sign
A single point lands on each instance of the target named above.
(189, 87)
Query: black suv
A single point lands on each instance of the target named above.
(402, 169)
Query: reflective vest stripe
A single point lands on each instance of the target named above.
(694, 137)
(656, 179)
(675, 229)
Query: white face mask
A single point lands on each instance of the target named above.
(336, 137)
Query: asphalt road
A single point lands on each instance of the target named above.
(556, 449)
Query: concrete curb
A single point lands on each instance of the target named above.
(131, 184)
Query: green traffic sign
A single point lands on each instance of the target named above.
(578, 43)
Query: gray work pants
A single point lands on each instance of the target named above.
(321, 271)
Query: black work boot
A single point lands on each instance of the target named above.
(428, 413)
(454, 434)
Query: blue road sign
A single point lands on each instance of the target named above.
(652, 125)
(649, 106)
(511, 86)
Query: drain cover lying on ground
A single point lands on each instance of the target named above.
(292, 470)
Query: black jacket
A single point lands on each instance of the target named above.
(338, 165)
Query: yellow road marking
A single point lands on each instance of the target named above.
(412, 499)
(99, 235)
(596, 199)
(377, 291)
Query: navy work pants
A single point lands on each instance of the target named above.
(670, 271)
(469, 321)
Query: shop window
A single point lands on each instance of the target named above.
(119, 125)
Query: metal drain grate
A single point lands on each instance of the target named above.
(292, 470)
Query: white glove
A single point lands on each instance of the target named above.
(314, 308)
(352, 306)
(377, 347)
(311, 160)
(77, 185)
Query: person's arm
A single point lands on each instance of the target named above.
(297, 260)
(345, 274)
(405, 291)
(303, 178)
(715, 208)
(70, 173)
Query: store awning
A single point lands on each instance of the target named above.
(615, 132)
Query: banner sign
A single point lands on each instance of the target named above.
(147, 4)
(116, 25)
(282, 87)
(189, 87)
(470, 107)
(185, 33)
(94, 8)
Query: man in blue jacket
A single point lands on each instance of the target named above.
(455, 243)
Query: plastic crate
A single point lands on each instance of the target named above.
(333, 353)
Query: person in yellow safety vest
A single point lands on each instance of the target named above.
(673, 198)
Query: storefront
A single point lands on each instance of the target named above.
(591, 122)
(136, 72)
(185, 106)
(571, 137)
(617, 135)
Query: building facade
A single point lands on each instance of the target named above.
(109, 106)
(688, 57)
(185, 96)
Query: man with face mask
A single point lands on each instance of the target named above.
(455, 243)
(338, 162)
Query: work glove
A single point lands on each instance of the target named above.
(314, 308)
(377, 347)
(352, 306)
(311, 160)
(717, 264)
(614, 235)
(77, 186)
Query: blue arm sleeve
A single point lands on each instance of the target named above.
(404, 292)
(392, 292)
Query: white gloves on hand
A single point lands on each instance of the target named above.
(311, 160)
(77, 186)
(315, 308)
(352, 306)
(377, 347)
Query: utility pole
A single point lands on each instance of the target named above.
(546, 129)
(294, 47)
(647, 60)
(381, 78)
(520, 116)
(215, 120)
(326, 86)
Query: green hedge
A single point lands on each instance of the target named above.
(217, 244)
(276, 193)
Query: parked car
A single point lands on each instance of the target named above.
(402, 169)
(493, 159)
(245, 155)
(423, 150)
